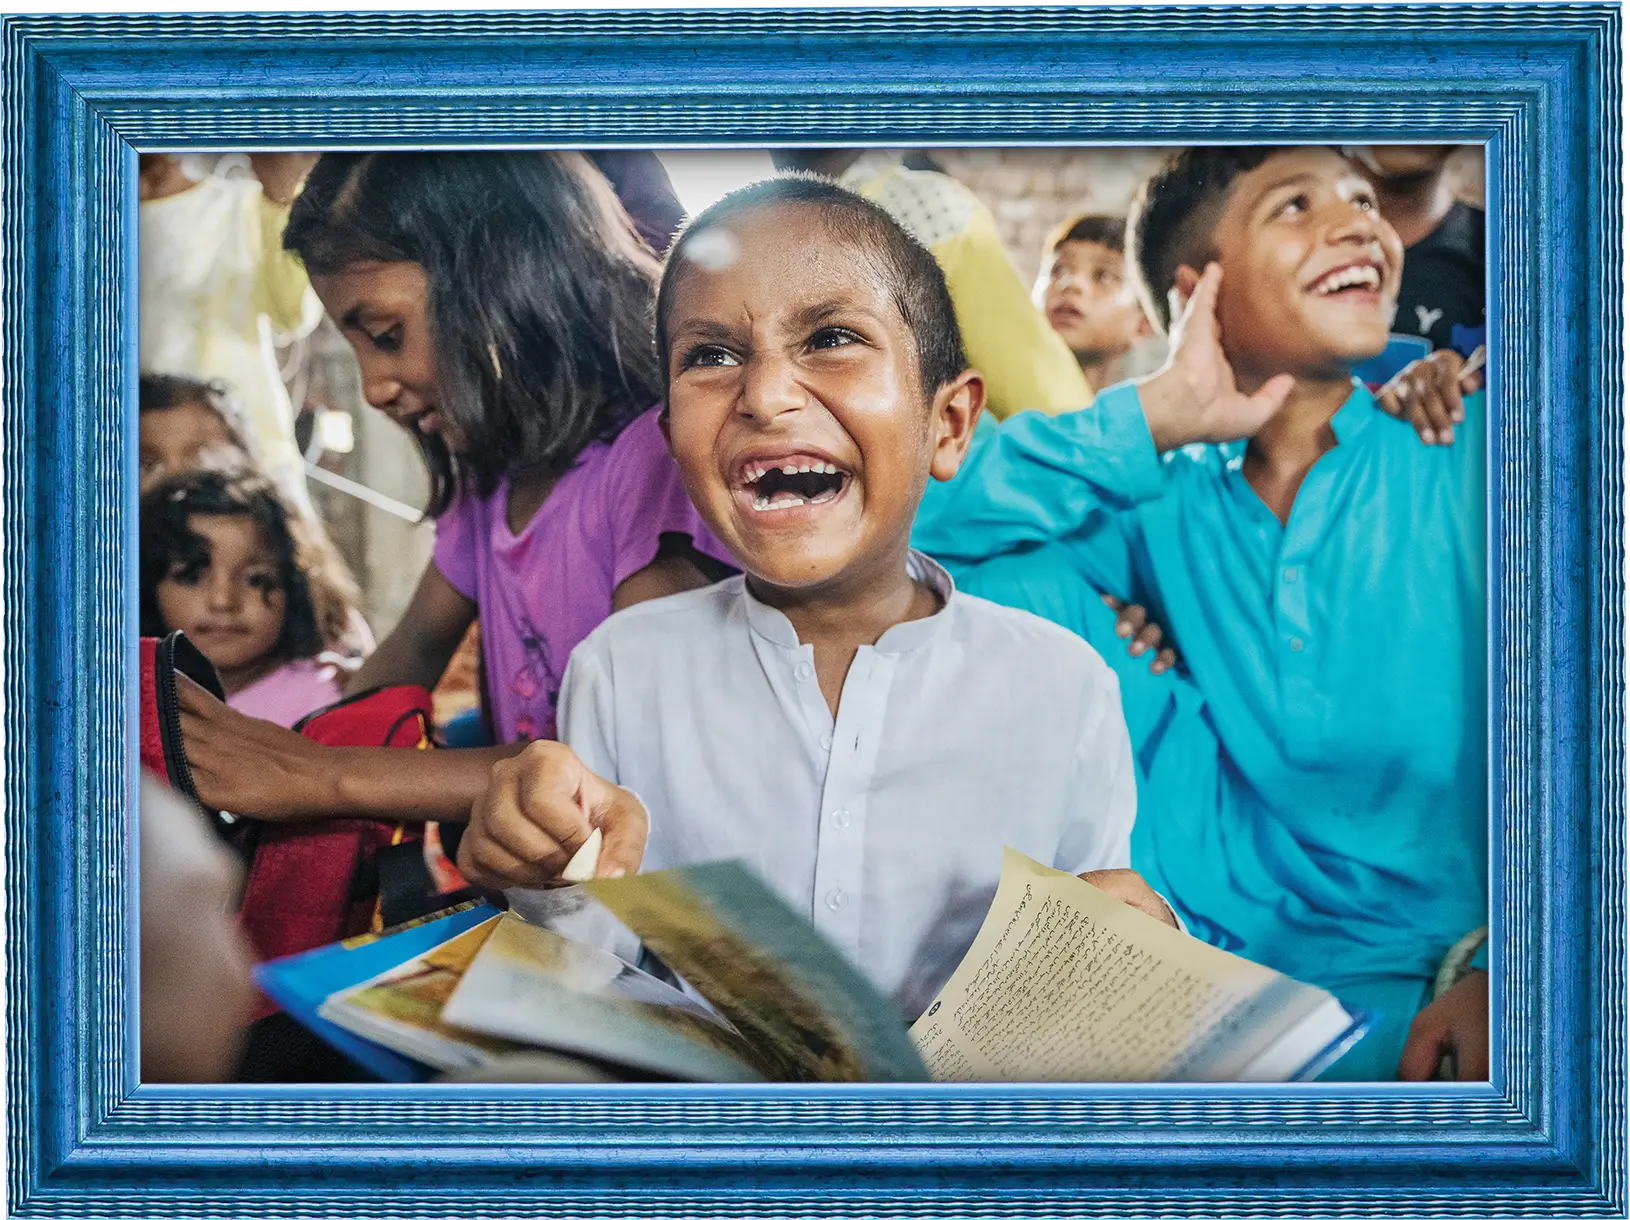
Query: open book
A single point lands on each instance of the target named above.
(1062, 983)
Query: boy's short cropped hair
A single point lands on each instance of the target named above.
(912, 274)
(1100, 230)
(1174, 218)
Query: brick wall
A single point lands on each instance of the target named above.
(1031, 190)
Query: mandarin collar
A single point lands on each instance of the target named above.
(774, 627)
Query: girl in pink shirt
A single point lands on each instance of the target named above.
(498, 306)
(225, 560)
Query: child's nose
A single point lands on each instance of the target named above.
(770, 389)
(381, 390)
(223, 593)
(1350, 224)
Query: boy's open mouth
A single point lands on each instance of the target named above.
(1362, 277)
(794, 481)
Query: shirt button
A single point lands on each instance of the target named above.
(804, 672)
(841, 818)
(826, 741)
(1296, 644)
(1290, 576)
(837, 899)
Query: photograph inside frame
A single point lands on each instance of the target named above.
(963, 615)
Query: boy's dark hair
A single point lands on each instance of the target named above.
(166, 392)
(169, 547)
(914, 278)
(538, 295)
(1174, 218)
(1107, 231)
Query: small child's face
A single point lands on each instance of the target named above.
(1084, 293)
(1310, 267)
(796, 409)
(383, 310)
(233, 607)
(180, 439)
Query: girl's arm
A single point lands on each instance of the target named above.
(253, 768)
(416, 653)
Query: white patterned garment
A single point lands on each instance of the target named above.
(932, 207)
(215, 288)
(977, 728)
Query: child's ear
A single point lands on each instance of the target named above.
(1184, 282)
(662, 423)
(956, 409)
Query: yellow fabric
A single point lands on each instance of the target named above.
(285, 295)
(1026, 365)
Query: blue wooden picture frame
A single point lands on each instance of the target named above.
(1537, 84)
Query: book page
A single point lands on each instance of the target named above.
(532, 986)
(806, 1011)
(1065, 982)
(401, 1008)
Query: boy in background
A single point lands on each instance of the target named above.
(1316, 799)
(1083, 290)
(839, 716)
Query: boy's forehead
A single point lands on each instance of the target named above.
(1080, 247)
(1286, 166)
(785, 254)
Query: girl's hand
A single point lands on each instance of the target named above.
(1427, 394)
(1456, 1023)
(1194, 397)
(1133, 890)
(247, 767)
(1132, 622)
(539, 808)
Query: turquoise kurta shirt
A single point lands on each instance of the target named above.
(1317, 798)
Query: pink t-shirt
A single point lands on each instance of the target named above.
(290, 693)
(540, 592)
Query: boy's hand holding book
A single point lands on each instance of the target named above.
(1194, 398)
(1133, 890)
(538, 811)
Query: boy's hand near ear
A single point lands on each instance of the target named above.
(1194, 398)
(538, 809)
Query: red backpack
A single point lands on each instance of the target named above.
(312, 883)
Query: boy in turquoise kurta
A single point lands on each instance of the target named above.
(1317, 798)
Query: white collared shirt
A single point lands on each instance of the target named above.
(976, 728)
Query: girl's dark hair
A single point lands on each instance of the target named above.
(538, 299)
(912, 274)
(166, 392)
(169, 546)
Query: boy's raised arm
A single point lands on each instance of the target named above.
(1036, 477)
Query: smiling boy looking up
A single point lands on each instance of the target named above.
(839, 716)
(1322, 571)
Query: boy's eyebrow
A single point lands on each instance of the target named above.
(820, 311)
(1302, 178)
(701, 330)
